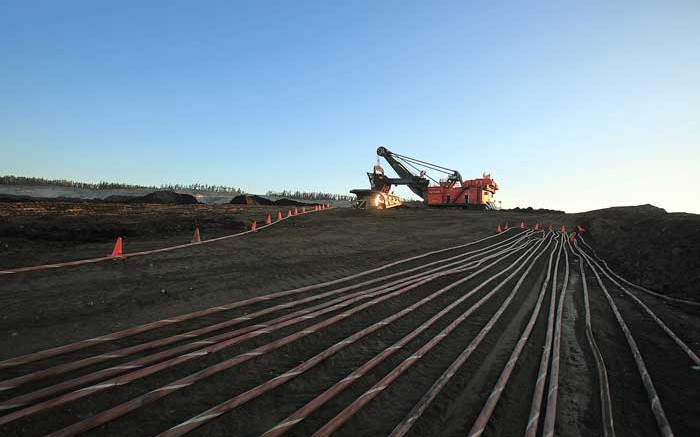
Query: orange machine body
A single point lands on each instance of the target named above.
(473, 192)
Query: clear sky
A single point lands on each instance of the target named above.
(570, 105)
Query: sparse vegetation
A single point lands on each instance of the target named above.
(304, 195)
(196, 187)
(32, 181)
(202, 188)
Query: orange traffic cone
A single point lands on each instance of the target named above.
(522, 225)
(499, 229)
(196, 238)
(550, 227)
(303, 210)
(296, 211)
(254, 227)
(537, 226)
(117, 251)
(289, 213)
(506, 225)
(579, 228)
(279, 215)
(572, 237)
(563, 228)
(269, 220)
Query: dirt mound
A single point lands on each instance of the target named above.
(10, 198)
(34, 224)
(648, 246)
(250, 199)
(413, 204)
(167, 197)
(531, 210)
(119, 198)
(290, 202)
(247, 199)
(161, 197)
(14, 198)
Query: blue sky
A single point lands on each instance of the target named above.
(569, 105)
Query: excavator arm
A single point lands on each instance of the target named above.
(417, 183)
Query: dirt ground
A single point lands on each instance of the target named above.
(304, 250)
(49, 308)
(649, 246)
(45, 232)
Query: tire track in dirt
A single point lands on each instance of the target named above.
(452, 412)
(328, 337)
(632, 414)
(412, 369)
(580, 403)
(675, 379)
(15, 382)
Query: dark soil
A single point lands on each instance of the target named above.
(531, 210)
(249, 199)
(160, 197)
(49, 308)
(290, 202)
(648, 246)
(103, 222)
(45, 232)
(303, 250)
(14, 198)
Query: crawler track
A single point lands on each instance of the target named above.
(466, 340)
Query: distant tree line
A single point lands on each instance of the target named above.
(304, 195)
(197, 187)
(102, 185)
(31, 181)
(202, 188)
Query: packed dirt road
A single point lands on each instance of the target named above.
(343, 322)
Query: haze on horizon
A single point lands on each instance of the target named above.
(573, 106)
